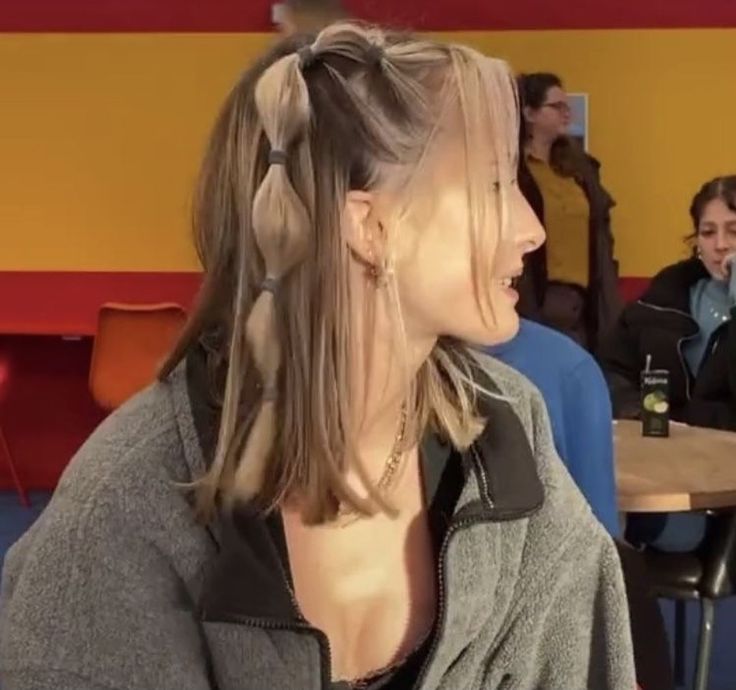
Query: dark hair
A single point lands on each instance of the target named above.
(723, 188)
(566, 156)
(533, 88)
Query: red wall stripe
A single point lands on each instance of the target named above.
(254, 15)
(67, 303)
(48, 411)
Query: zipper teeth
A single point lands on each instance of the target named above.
(666, 309)
(441, 608)
(299, 627)
(482, 474)
(681, 357)
(683, 364)
(304, 625)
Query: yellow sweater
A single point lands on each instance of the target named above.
(567, 222)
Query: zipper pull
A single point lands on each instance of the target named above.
(506, 681)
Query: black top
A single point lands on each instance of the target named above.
(657, 325)
(442, 485)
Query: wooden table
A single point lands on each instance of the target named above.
(693, 469)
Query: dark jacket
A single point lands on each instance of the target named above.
(658, 324)
(117, 587)
(602, 295)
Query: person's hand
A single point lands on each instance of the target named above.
(729, 263)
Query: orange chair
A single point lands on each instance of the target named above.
(4, 448)
(131, 342)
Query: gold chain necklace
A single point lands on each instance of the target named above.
(389, 471)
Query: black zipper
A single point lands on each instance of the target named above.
(468, 516)
(288, 626)
(325, 651)
(473, 513)
(456, 526)
(683, 363)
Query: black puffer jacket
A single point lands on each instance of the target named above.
(604, 302)
(659, 324)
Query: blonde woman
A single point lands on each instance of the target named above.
(326, 489)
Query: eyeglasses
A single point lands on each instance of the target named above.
(561, 107)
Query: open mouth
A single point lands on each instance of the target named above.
(510, 282)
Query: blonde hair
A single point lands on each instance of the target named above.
(338, 113)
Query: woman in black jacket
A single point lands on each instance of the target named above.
(571, 282)
(686, 323)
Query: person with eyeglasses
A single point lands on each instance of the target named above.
(571, 282)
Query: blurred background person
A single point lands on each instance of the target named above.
(685, 323)
(571, 282)
(307, 16)
(579, 406)
(575, 392)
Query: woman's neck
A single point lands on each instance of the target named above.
(379, 419)
(539, 148)
(381, 391)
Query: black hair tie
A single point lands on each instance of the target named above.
(270, 394)
(270, 284)
(306, 57)
(277, 157)
(374, 54)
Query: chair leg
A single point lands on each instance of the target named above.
(680, 633)
(5, 450)
(705, 645)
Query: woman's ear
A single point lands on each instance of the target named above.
(362, 228)
(528, 113)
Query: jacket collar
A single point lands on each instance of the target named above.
(500, 484)
(670, 288)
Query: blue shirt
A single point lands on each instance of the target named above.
(579, 406)
(710, 306)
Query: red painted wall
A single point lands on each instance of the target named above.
(254, 15)
(48, 411)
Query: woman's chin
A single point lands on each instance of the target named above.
(505, 329)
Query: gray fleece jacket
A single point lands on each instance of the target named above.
(116, 587)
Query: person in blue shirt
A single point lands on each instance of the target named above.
(579, 407)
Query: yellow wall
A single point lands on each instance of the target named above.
(662, 121)
(100, 135)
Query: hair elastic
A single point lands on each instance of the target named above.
(270, 284)
(269, 394)
(375, 54)
(277, 157)
(306, 56)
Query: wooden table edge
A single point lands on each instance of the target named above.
(675, 502)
